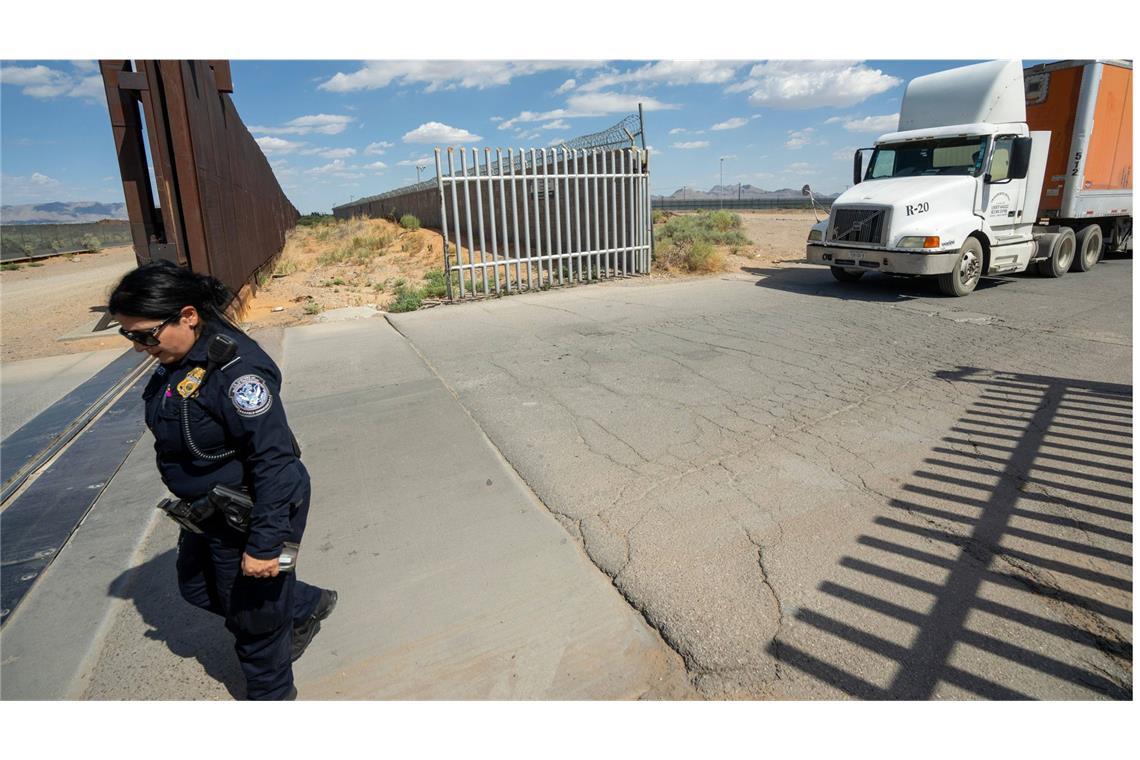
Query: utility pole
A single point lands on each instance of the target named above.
(419, 169)
(721, 186)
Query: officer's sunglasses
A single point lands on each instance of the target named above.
(147, 337)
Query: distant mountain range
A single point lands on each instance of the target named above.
(732, 192)
(59, 212)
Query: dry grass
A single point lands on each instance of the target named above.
(343, 263)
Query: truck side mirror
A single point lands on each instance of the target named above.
(1019, 157)
(858, 168)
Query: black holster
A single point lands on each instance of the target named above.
(235, 506)
(189, 514)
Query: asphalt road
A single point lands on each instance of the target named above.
(816, 490)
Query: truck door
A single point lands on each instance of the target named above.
(1002, 197)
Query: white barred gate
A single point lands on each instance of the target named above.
(542, 218)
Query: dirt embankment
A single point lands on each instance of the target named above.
(322, 267)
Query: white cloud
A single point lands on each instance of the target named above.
(439, 75)
(667, 72)
(337, 165)
(812, 84)
(844, 154)
(677, 131)
(435, 132)
(801, 167)
(875, 124)
(496, 118)
(566, 86)
(321, 123)
(44, 82)
(734, 123)
(591, 104)
(86, 67)
(798, 138)
(602, 103)
(377, 148)
(421, 161)
(336, 152)
(34, 187)
(276, 145)
(695, 144)
(375, 166)
(557, 124)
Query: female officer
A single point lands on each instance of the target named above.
(225, 425)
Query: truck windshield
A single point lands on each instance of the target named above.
(953, 155)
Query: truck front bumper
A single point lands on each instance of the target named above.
(875, 260)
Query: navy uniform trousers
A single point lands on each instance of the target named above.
(259, 612)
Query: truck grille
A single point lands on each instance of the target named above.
(859, 225)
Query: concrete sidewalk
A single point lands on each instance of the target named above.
(454, 581)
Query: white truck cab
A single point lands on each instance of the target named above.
(953, 194)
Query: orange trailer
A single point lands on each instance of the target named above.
(1087, 106)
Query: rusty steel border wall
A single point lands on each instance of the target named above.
(216, 206)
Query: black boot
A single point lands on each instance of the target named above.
(304, 633)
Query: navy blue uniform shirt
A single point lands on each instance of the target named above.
(238, 407)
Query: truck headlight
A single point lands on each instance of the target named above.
(918, 241)
(815, 236)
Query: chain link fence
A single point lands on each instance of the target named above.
(29, 241)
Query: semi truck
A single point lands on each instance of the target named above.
(994, 169)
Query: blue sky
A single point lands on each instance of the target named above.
(335, 130)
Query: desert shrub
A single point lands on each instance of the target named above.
(312, 307)
(724, 221)
(703, 257)
(407, 299)
(409, 222)
(314, 219)
(659, 216)
(286, 265)
(436, 286)
(92, 243)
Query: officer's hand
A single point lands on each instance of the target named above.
(259, 568)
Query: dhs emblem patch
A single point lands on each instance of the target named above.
(250, 396)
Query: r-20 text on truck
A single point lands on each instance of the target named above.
(991, 171)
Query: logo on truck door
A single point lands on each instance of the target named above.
(999, 205)
(917, 208)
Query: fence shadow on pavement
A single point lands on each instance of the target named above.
(186, 630)
(1027, 499)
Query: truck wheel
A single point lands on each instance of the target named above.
(967, 272)
(1090, 240)
(1057, 264)
(845, 275)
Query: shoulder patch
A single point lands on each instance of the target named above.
(250, 396)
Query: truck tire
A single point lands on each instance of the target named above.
(1062, 258)
(846, 275)
(1090, 241)
(967, 272)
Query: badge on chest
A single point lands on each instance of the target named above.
(188, 387)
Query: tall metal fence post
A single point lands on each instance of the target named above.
(443, 219)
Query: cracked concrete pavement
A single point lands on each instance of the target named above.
(815, 490)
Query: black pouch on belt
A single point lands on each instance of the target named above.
(189, 514)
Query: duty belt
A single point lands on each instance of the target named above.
(234, 505)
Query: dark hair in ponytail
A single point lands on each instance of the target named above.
(161, 289)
